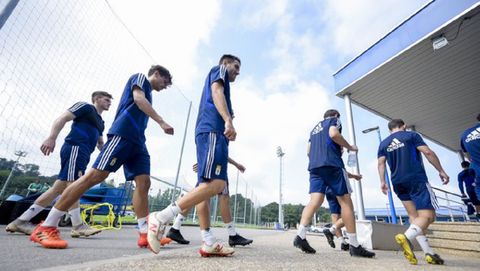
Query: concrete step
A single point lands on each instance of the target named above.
(461, 236)
(472, 227)
(454, 244)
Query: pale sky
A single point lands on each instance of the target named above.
(289, 52)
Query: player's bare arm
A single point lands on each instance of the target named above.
(220, 102)
(144, 105)
(433, 159)
(49, 144)
(381, 173)
(337, 137)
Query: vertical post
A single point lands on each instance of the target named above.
(19, 154)
(181, 154)
(449, 207)
(245, 204)
(194, 214)
(7, 11)
(215, 206)
(251, 207)
(356, 169)
(280, 154)
(393, 212)
(235, 200)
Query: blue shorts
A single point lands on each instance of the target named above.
(74, 161)
(333, 177)
(420, 193)
(118, 152)
(212, 157)
(333, 203)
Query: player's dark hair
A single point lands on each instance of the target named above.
(478, 117)
(331, 113)
(161, 70)
(229, 58)
(101, 94)
(395, 123)
(465, 164)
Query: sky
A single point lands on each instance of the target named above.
(289, 52)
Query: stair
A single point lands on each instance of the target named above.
(459, 238)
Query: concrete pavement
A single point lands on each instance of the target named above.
(271, 250)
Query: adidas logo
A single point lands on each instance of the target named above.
(317, 129)
(396, 144)
(474, 135)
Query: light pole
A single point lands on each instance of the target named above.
(280, 155)
(19, 154)
(387, 179)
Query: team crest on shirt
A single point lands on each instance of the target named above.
(114, 160)
(218, 169)
(80, 173)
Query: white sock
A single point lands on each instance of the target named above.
(333, 229)
(302, 232)
(31, 212)
(341, 240)
(166, 215)
(178, 222)
(207, 237)
(423, 242)
(352, 239)
(75, 217)
(412, 232)
(53, 218)
(142, 224)
(231, 228)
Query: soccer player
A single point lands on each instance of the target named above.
(337, 221)
(467, 176)
(234, 239)
(402, 150)
(125, 146)
(327, 169)
(470, 142)
(214, 130)
(85, 134)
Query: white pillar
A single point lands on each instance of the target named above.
(356, 170)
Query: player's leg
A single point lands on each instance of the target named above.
(109, 160)
(175, 231)
(317, 196)
(340, 185)
(425, 203)
(335, 214)
(212, 158)
(234, 239)
(22, 223)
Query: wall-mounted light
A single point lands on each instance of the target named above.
(439, 42)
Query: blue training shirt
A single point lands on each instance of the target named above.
(470, 142)
(209, 120)
(466, 176)
(323, 150)
(130, 122)
(86, 128)
(404, 160)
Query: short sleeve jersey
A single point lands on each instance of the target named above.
(323, 150)
(470, 142)
(404, 160)
(86, 128)
(209, 120)
(130, 122)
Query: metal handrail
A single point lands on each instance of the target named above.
(463, 207)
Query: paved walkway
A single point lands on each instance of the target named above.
(271, 251)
